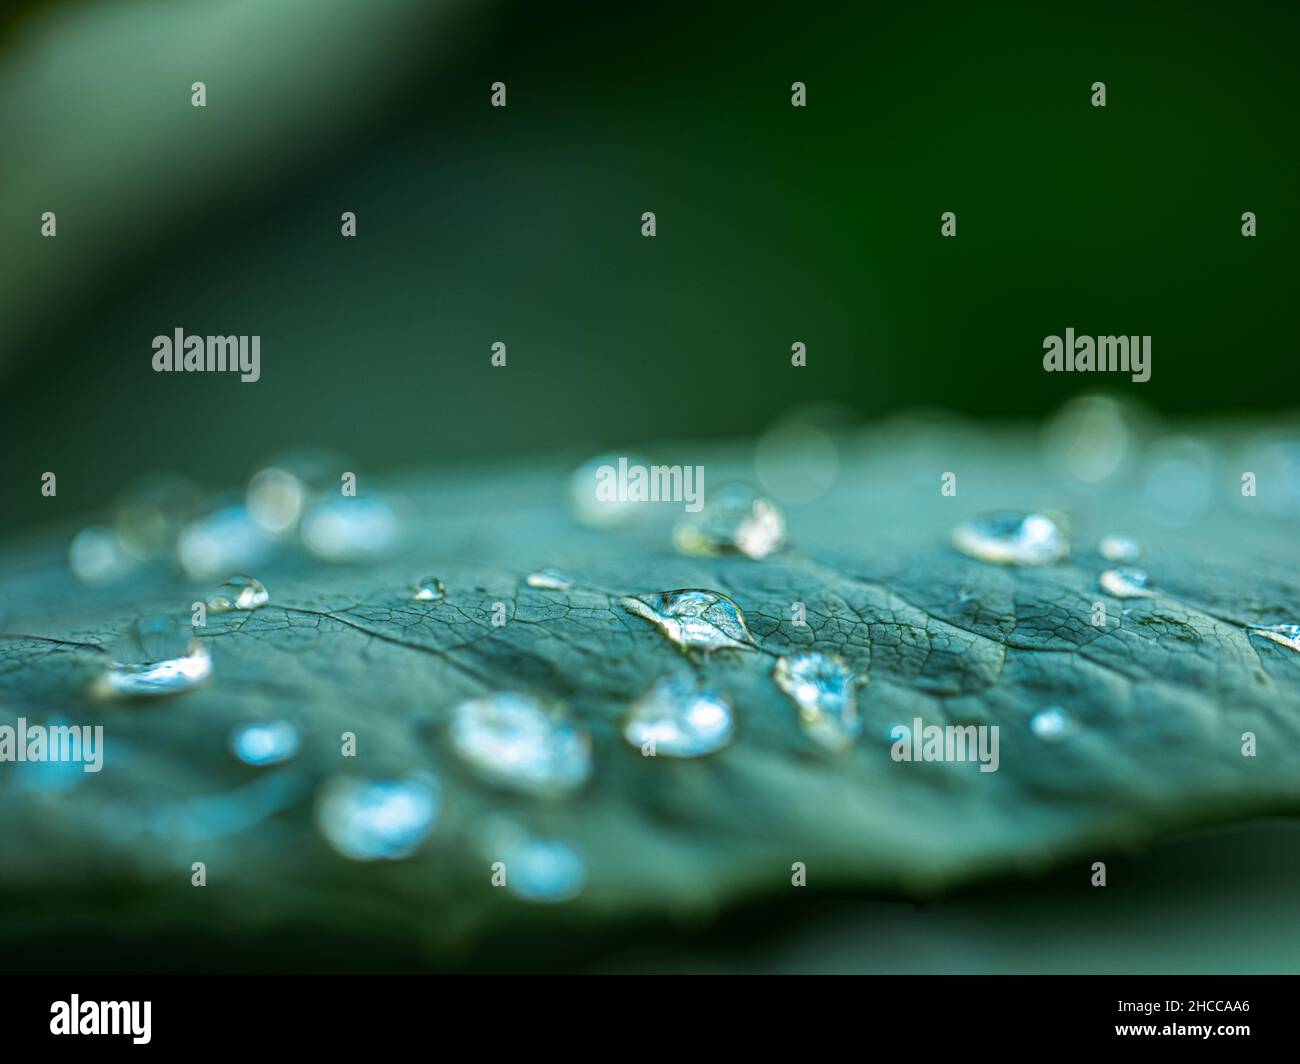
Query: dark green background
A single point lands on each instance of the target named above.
(475, 224)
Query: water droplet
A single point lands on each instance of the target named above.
(239, 593)
(824, 689)
(155, 657)
(1126, 582)
(544, 870)
(1051, 724)
(1287, 635)
(374, 820)
(1091, 438)
(681, 718)
(264, 742)
(1178, 481)
(96, 556)
(150, 513)
(549, 580)
(1115, 548)
(734, 519)
(797, 459)
(224, 541)
(430, 589)
(521, 742)
(350, 529)
(585, 501)
(1011, 538)
(275, 498)
(694, 618)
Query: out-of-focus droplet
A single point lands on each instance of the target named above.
(522, 742)
(264, 742)
(549, 580)
(1116, 548)
(239, 593)
(797, 460)
(1179, 473)
(1287, 635)
(225, 541)
(350, 529)
(96, 556)
(733, 520)
(1126, 582)
(1012, 538)
(585, 502)
(378, 820)
(824, 690)
(1091, 438)
(544, 871)
(1051, 724)
(678, 717)
(694, 618)
(430, 589)
(155, 656)
(150, 513)
(275, 499)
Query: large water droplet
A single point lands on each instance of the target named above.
(239, 593)
(264, 742)
(1287, 635)
(544, 870)
(1126, 582)
(694, 618)
(1051, 724)
(275, 499)
(1011, 538)
(430, 589)
(521, 742)
(824, 689)
(350, 529)
(373, 820)
(1115, 548)
(678, 717)
(224, 541)
(549, 580)
(155, 657)
(734, 520)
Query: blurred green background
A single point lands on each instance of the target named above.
(476, 224)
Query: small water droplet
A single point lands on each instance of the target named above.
(430, 589)
(1126, 582)
(824, 689)
(694, 618)
(1115, 548)
(224, 541)
(549, 580)
(149, 514)
(374, 820)
(350, 529)
(734, 520)
(155, 657)
(1012, 538)
(1051, 724)
(264, 742)
(681, 718)
(1287, 635)
(544, 870)
(239, 593)
(521, 742)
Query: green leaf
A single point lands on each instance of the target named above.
(1162, 697)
